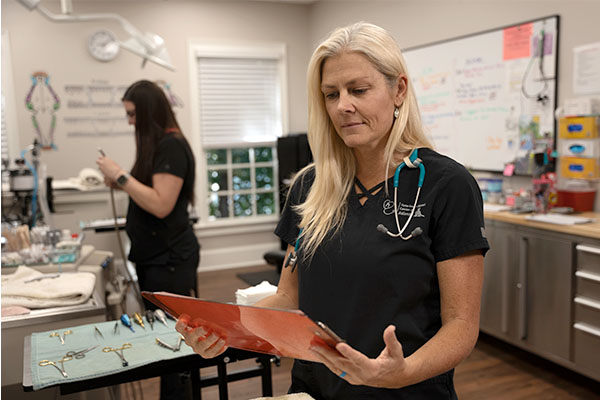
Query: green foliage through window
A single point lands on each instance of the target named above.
(241, 183)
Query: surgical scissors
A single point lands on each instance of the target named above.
(45, 363)
(80, 354)
(177, 347)
(125, 346)
(62, 338)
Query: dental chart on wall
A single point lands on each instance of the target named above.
(95, 110)
(488, 98)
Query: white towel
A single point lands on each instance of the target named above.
(24, 288)
(253, 294)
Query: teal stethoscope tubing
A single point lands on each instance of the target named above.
(412, 161)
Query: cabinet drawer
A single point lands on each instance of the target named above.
(587, 346)
(588, 258)
(588, 285)
(587, 311)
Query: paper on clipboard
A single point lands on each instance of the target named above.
(285, 333)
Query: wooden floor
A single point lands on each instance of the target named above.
(493, 371)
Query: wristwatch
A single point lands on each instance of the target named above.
(122, 179)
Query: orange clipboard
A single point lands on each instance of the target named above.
(285, 333)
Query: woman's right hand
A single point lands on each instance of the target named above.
(204, 342)
(110, 183)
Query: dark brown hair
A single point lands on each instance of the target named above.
(154, 118)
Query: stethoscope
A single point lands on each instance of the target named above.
(412, 161)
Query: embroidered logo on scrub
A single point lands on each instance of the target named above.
(403, 209)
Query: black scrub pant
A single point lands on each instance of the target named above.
(179, 279)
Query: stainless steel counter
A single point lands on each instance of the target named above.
(15, 328)
(94, 306)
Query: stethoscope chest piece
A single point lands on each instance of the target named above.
(412, 161)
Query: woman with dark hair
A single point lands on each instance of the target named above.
(160, 188)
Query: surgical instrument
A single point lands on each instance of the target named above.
(97, 331)
(127, 322)
(150, 318)
(45, 363)
(79, 354)
(119, 352)
(62, 338)
(160, 315)
(138, 319)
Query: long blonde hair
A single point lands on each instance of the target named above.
(325, 208)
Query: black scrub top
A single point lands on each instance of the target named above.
(362, 280)
(170, 240)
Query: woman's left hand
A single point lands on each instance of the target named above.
(109, 168)
(386, 371)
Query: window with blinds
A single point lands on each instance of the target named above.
(240, 101)
(240, 116)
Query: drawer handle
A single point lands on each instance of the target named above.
(588, 275)
(587, 249)
(587, 302)
(586, 328)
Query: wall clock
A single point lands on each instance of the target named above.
(103, 45)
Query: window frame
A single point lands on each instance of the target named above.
(229, 166)
(9, 106)
(196, 49)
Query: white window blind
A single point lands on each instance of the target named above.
(240, 101)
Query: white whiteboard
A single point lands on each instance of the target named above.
(470, 92)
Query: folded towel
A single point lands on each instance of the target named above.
(33, 289)
(11, 311)
(253, 294)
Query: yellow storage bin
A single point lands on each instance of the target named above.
(578, 127)
(580, 168)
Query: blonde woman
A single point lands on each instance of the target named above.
(390, 258)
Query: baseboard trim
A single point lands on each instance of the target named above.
(233, 257)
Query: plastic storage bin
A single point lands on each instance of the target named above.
(578, 200)
(578, 127)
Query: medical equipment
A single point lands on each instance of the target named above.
(412, 161)
(119, 352)
(292, 259)
(127, 322)
(150, 318)
(45, 363)
(177, 347)
(97, 332)
(149, 46)
(137, 317)
(79, 354)
(160, 315)
(61, 337)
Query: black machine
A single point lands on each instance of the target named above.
(293, 153)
